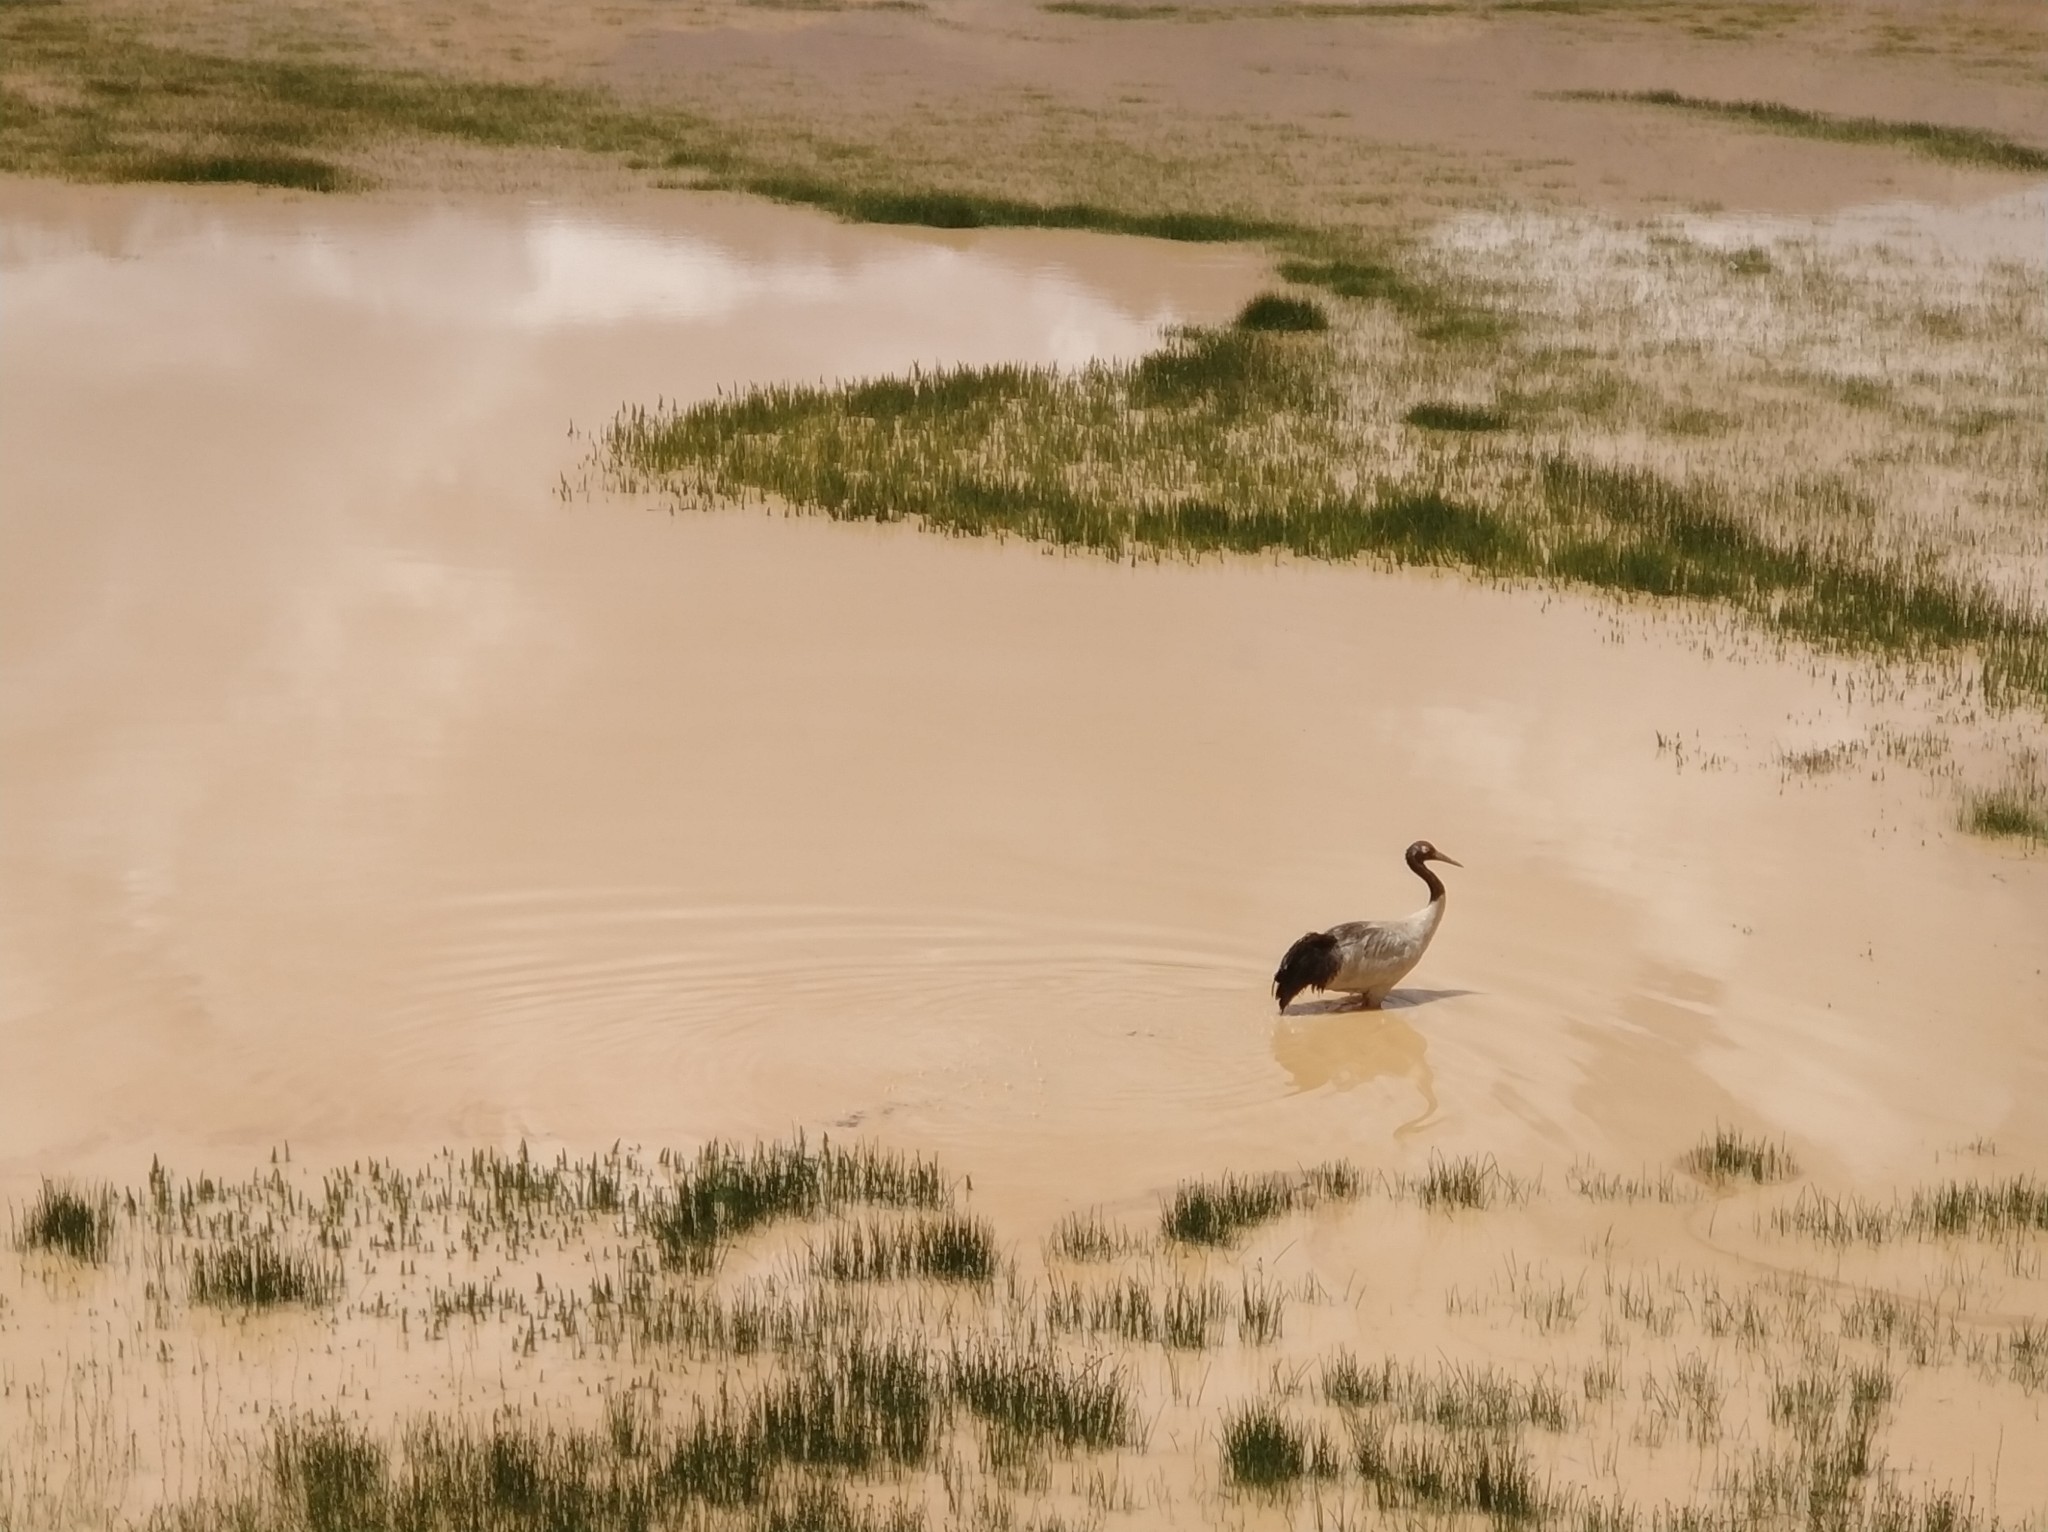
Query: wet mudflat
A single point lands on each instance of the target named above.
(367, 793)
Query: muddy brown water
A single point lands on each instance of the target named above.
(362, 792)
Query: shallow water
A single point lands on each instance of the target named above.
(364, 793)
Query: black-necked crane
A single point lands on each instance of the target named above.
(1367, 957)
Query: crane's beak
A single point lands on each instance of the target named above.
(1440, 857)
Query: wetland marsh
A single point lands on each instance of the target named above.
(566, 963)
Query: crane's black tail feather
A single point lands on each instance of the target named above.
(1311, 962)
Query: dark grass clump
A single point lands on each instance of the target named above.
(332, 1472)
(2016, 809)
(72, 1222)
(1967, 146)
(935, 209)
(1216, 1212)
(1729, 1155)
(859, 1408)
(1479, 1471)
(947, 1248)
(1272, 311)
(253, 1271)
(1264, 1449)
(1455, 417)
(1036, 1396)
(298, 172)
(726, 1192)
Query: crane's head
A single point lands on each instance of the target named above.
(1422, 851)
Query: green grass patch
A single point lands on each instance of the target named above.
(933, 208)
(945, 1248)
(1035, 1396)
(1463, 1471)
(1267, 1450)
(1728, 1154)
(1964, 146)
(1455, 417)
(299, 172)
(255, 1271)
(1217, 1212)
(1273, 311)
(2016, 809)
(725, 1192)
(69, 1221)
(1237, 441)
(127, 109)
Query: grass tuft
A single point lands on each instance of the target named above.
(1272, 311)
(299, 172)
(1216, 1212)
(944, 1248)
(1728, 1155)
(1036, 1396)
(2016, 809)
(72, 1222)
(254, 1271)
(727, 1192)
(931, 208)
(1264, 1449)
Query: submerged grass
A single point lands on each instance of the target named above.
(1942, 141)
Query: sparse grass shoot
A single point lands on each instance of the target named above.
(1088, 1237)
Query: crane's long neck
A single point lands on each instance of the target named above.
(1421, 870)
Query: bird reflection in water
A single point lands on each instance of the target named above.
(1338, 1044)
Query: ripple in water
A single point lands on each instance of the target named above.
(751, 1018)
